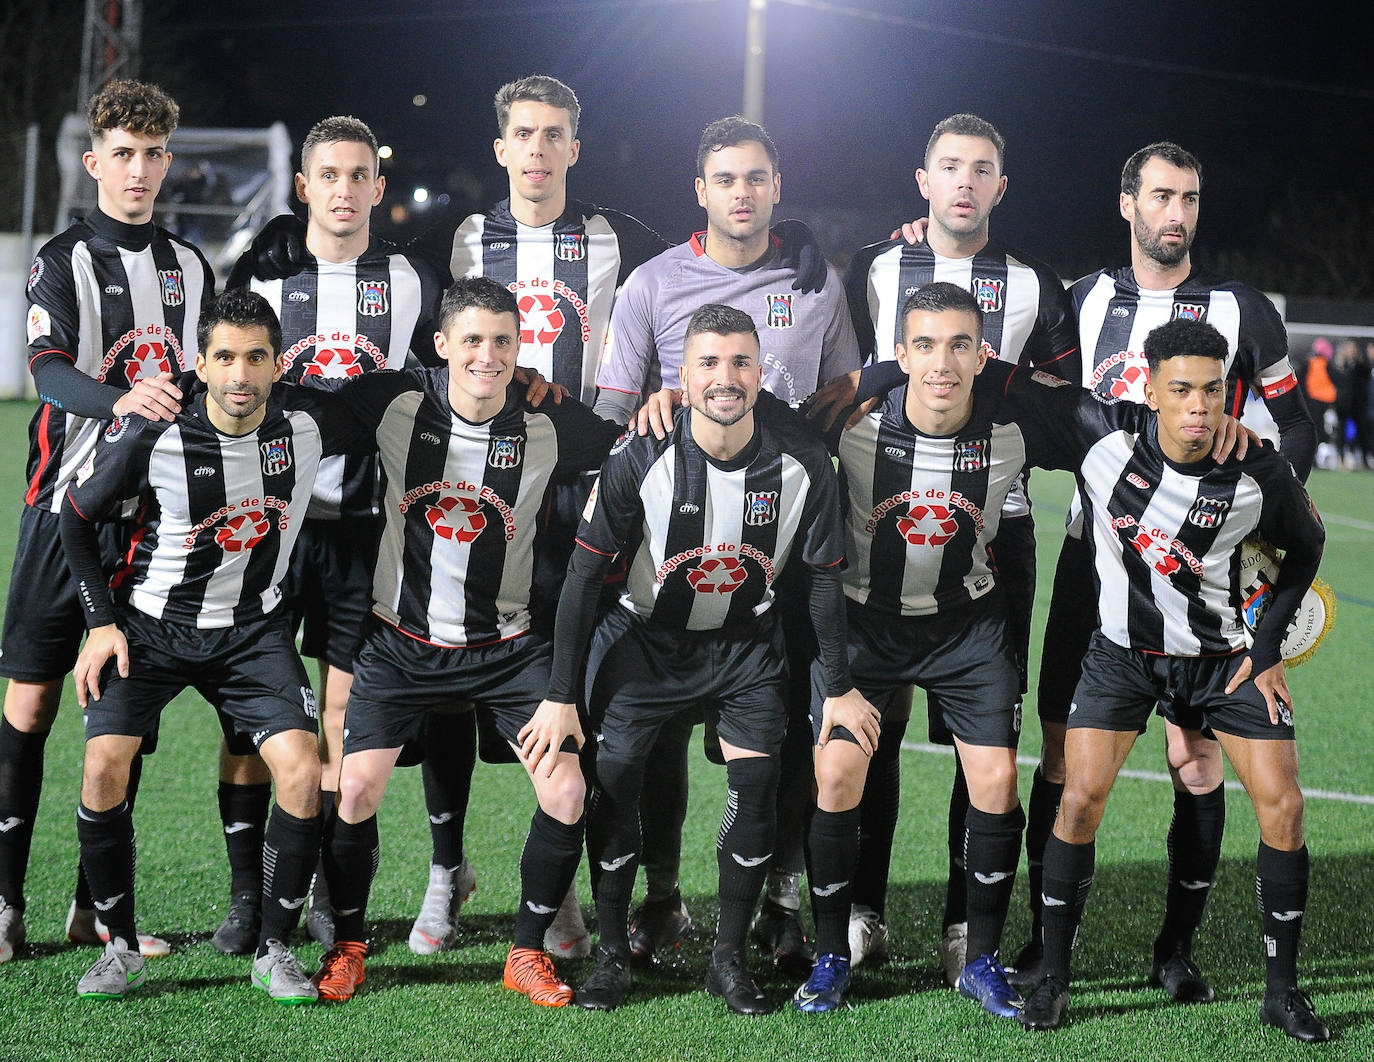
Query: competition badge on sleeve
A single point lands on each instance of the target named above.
(1259, 570)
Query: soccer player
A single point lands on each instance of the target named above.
(354, 305)
(466, 465)
(1160, 199)
(219, 493)
(806, 339)
(113, 305)
(1027, 319)
(1163, 524)
(708, 517)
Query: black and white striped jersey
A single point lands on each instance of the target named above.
(121, 302)
(705, 540)
(920, 510)
(214, 516)
(564, 276)
(340, 320)
(462, 501)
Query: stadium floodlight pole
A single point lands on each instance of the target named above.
(752, 111)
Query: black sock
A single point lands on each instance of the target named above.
(290, 850)
(613, 846)
(992, 848)
(878, 817)
(795, 801)
(1281, 889)
(832, 851)
(1194, 852)
(547, 866)
(21, 783)
(350, 865)
(109, 854)
(243, 815)
(744, 847)
(1068, 878)
(663, 810)
(956, 885)
(1040, 815)
(450, 755)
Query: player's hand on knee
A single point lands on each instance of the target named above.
(101, 644)
(152, 398)
(542, 737)
(853, 712)
(656, 414)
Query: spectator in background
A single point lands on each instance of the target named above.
(1350, 374)
(1321, 397)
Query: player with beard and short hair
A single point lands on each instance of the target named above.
(708, 517)
(1164, 525)
(113, 304)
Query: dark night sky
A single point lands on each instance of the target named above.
(1279, 105)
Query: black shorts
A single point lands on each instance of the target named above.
(250, 673)
(399, 680)
(329, 586)
(961, 658)
(640, 675)
(1070, 624)
(44, 620)
(1120, 686)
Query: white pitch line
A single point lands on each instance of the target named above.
(1156, 776)
(1347, 521)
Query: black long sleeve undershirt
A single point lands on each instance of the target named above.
(63, 386)
(82, 549)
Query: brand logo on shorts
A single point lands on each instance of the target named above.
(372, 298)
(504, 451)
(928, 525)
(717, 575)
(242, 531)
(971, 455)
(276, 456)
(173, 294)
(258, 737)
(760, 507)
(982, 583)
(569, 247)
(1188, 311)
(780, 311)
(1208, 512)
(458, 519)
(298, 296)
(988, 292)
(308, 702)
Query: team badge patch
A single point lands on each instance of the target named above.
(35, 273)
(173, 293)
(780, 311)
(276, 456)
(570, 247)
(1040, 376)
(39, 323)
(1208, 512)
(1188, 311)
(760, 507)
(116, 428)
(504, 451)
(988, 292)
(372, 299)
(971, 455)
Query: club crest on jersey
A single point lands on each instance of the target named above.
(35, 273)
(276, 456)
(173, 294)
(760, 507)
(570, 246)
(504, 451)
(372, 300)
(988, 292)
(116, 428)
(1208, 512)
(780, 311)
(971, 455)
(1188, 311)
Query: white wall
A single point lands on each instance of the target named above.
(14, 278)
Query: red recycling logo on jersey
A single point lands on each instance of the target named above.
(242, 531)
(148, 360)
(541, 321)
(1130, 384)
(717, 575)
(334, 363)
(928, 525)
(1156, 553)
(458, 519)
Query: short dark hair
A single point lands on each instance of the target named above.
(243, 309)
(1182, 338)
(730, 132)
(719, 320)
(481, 293)
(340, 128)
(538, 88)
(133, 105)
(939, 297)
(969, 125)
(1161, 149)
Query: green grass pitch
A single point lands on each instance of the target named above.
(198, 1004)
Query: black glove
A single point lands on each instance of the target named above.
(800, 251)
(278, 251)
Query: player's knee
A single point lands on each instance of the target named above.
(839, 787)
(105, 775)
(993, 788)
(31, 707)
(1080, 811)
(562, 797)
